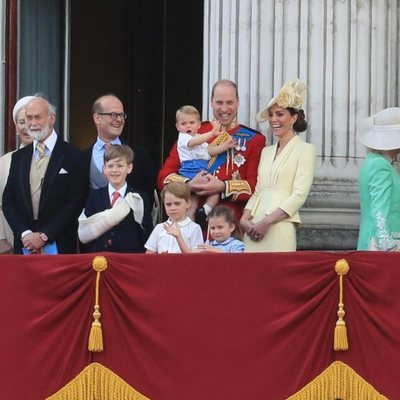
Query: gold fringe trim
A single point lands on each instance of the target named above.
(338, 381)
(222, 138)
(95, 343)
(175, 178)
(97, 382)
(340, 342)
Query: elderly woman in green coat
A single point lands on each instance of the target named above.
(379, 182)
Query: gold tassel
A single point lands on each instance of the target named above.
(95, 344)
(340, 342)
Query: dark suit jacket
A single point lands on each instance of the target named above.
(126, 237)
(61, 200)
(143, 175)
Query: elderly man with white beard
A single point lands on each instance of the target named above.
(45, 190)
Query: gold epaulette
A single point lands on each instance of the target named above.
(235, 188)
(175, 178)
(222, 138)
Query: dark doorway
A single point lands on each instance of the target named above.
(149, 53)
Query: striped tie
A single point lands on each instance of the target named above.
(41, 148)
(116, 196)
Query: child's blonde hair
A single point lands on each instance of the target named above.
(229, 216)
(178, 189)
(188, 110)
(119, 151)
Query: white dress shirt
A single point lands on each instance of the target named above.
(162, 242)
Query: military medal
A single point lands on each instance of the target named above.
(243, 146)
(238, 146)
(239, 160)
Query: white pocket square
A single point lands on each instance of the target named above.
(63, 171)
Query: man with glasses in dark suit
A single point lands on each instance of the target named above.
(109, 118)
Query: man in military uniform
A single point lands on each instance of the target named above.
(233, 174)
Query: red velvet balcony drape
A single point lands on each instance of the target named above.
(205, 326)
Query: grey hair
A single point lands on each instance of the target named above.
(52, 107)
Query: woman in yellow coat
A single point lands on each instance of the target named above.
(285, 175)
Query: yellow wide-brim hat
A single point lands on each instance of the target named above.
(382, 130)
(292, 94)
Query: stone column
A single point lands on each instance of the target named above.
(346, 51)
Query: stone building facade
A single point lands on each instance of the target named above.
(346, 51)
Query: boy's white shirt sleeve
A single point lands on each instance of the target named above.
(162, 242)
(196, 237)
(198, 152)
(152, 241)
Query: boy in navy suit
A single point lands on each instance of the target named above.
(116, 218)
